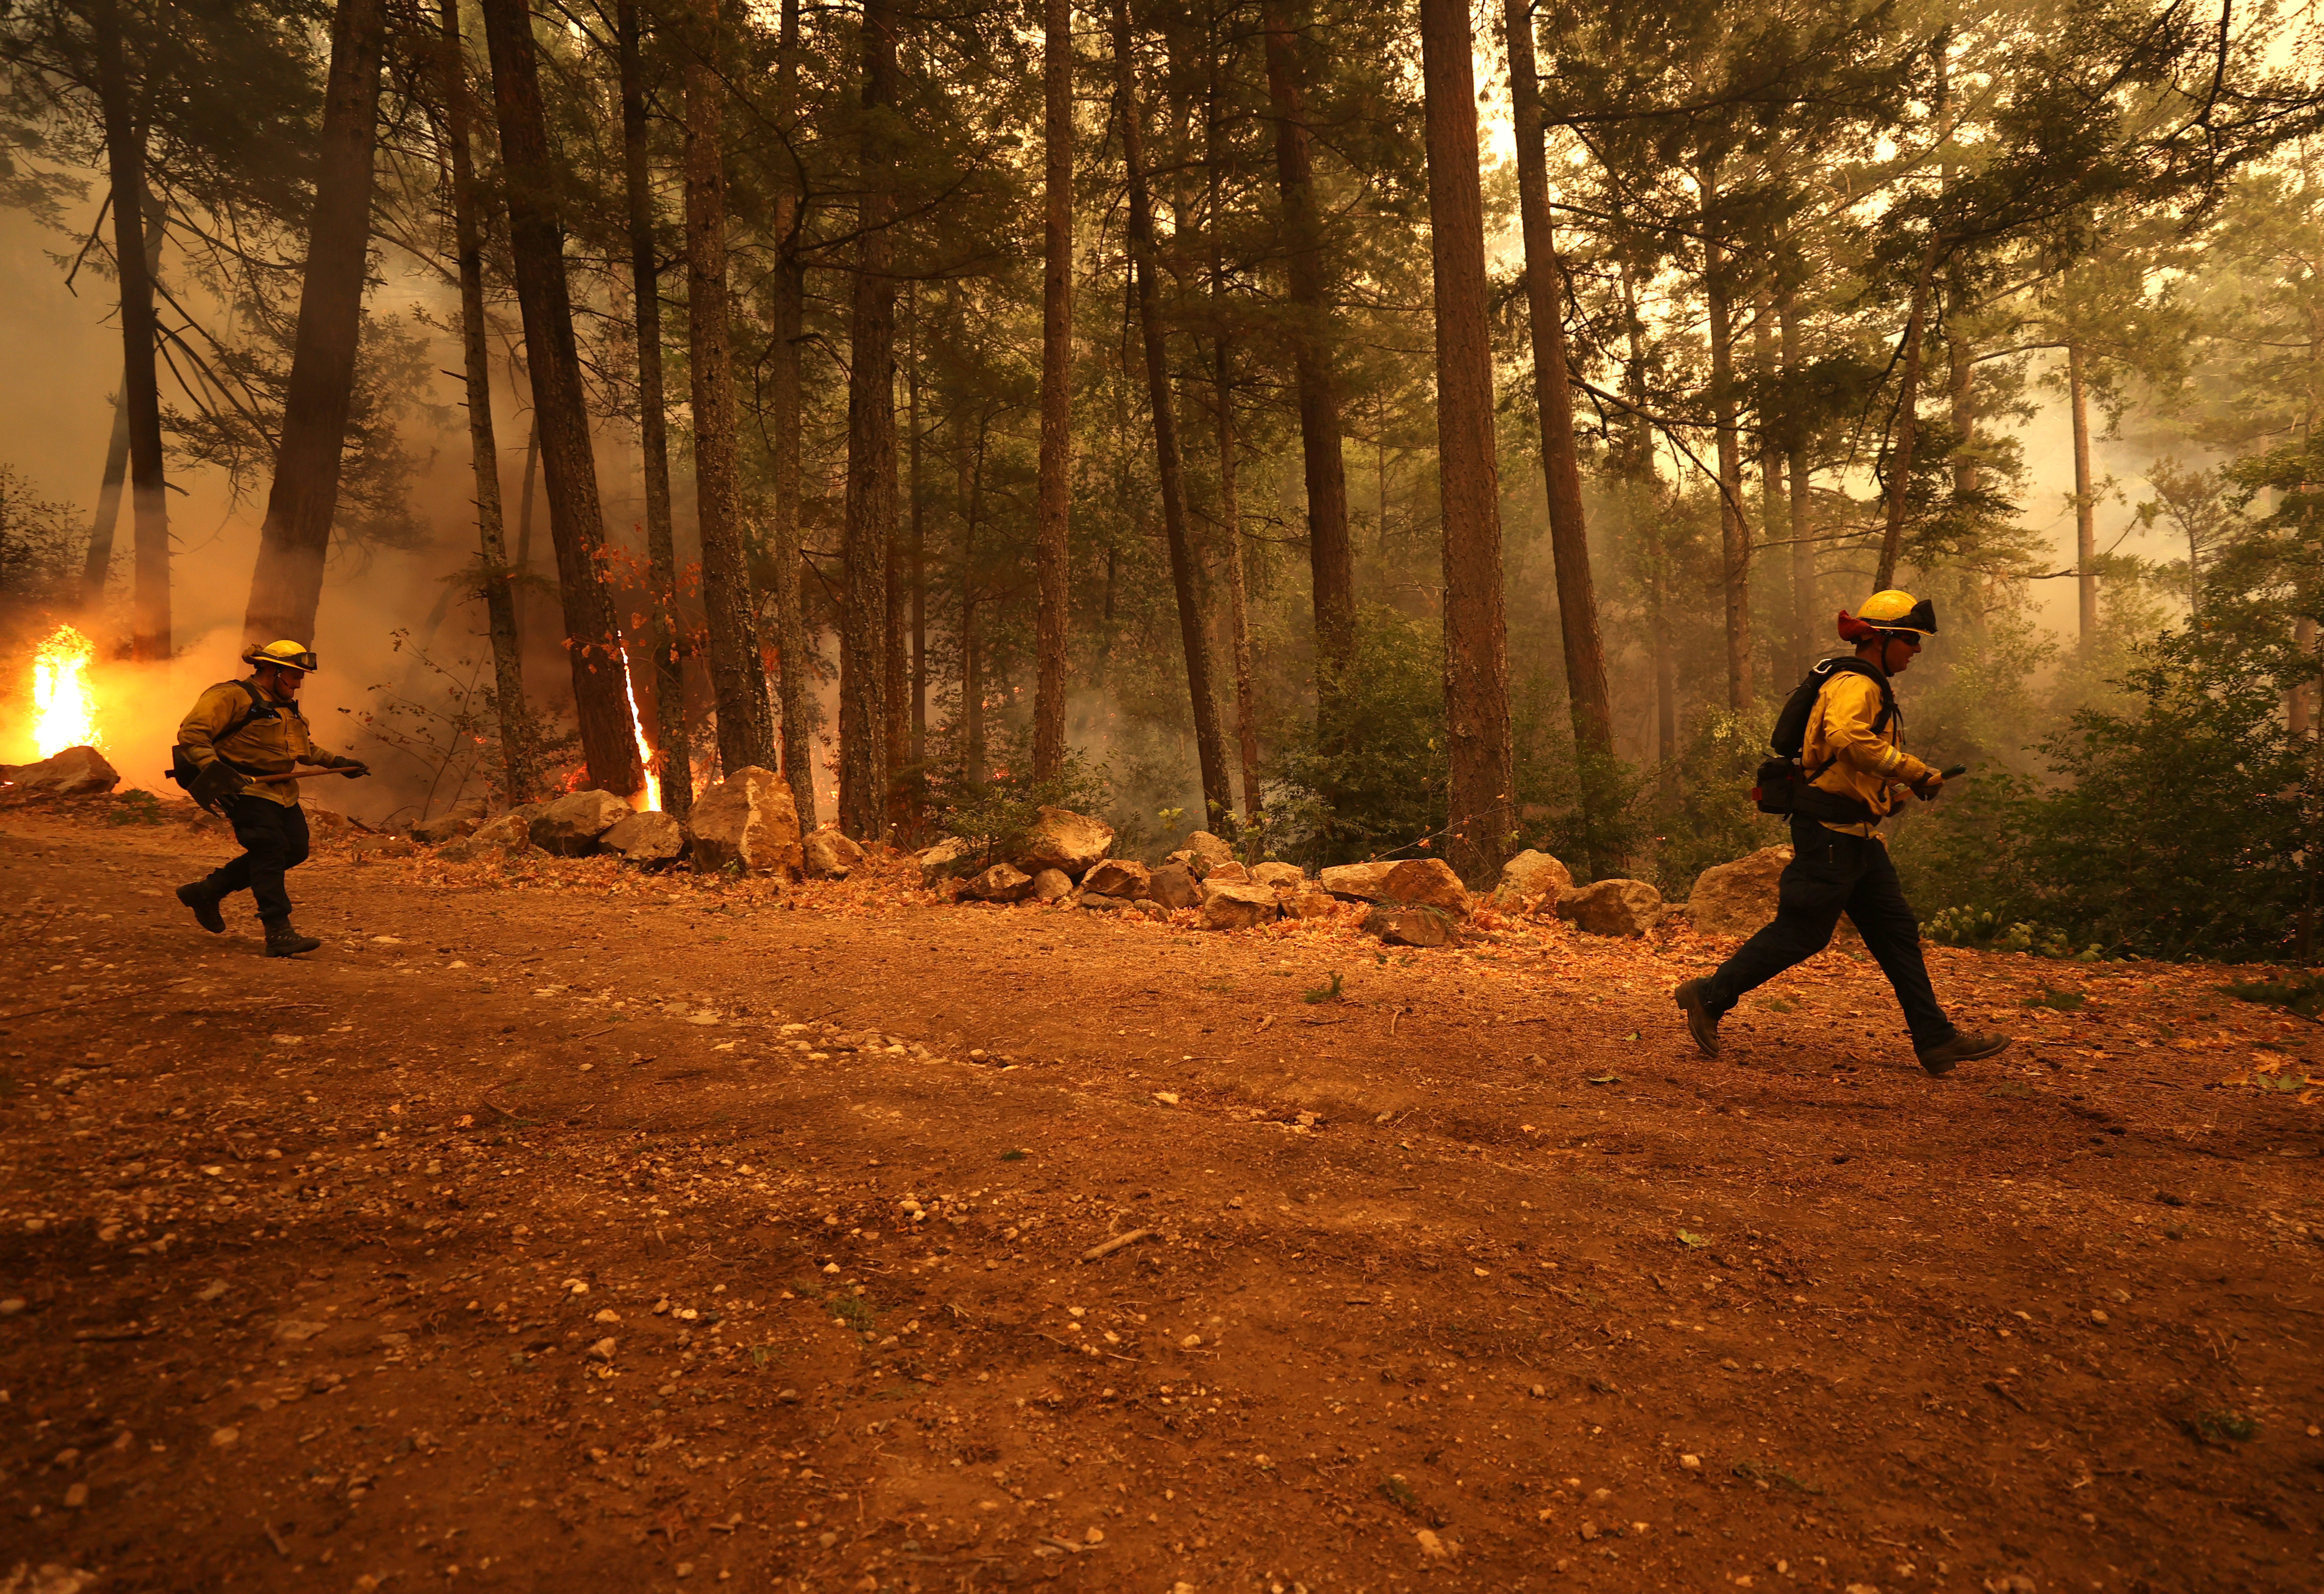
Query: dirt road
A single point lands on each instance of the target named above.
(598, 1232)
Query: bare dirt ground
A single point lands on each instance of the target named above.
(524, 1239)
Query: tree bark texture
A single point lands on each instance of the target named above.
(97, 565)
(484, 451)
(304, 500)
(2086, 527)
(672, 761)
(738, 671)
(1053, 493)
(1589, 696)
(871, 509)
(1734, 532)
(1908, 417)
(795, 676)
(916, 490)
(1482, 812)
(1330, 556)
(1768, 435)
(141, 392)
(896, 722)
(1237, 594)
(577, 527)
(1218, 794)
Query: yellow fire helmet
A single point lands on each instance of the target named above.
(284, 655)
(1889, 611)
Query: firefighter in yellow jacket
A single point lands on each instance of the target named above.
(240, 734)
(1857, 773)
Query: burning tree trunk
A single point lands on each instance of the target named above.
(1053, 555)
(2086, 527)
(672, 761)
(738, 674)
(1331, 557)
(871, 459)
(1218, 795)
(97, 565)
(1476, 659)
(576, 522)
(1590, 699)
(795, 677)
(492, 550)
(305, 497)
(140, 394)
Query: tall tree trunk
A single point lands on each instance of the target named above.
(1734, 532)
(1238, 596)
(1052, 493)
(795, 679)
(1588, 693)
(2086, 528)
(1330, 556)
(972, 648)
(141, 392)
(1908, 418)
(577, 527)
(672, 760)
(1218, 793)
(288, 584)
(1639, 465)
(1476, 642)
(1795, 460)
(738, 671)
(870, 457)
(917, 487)
(96, 567)
(895, 728)
(1774, 504)
(492, 546)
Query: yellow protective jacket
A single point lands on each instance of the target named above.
(1852, 759)
(273, 742)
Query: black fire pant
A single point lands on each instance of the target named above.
(1830, 874)
(273, 840)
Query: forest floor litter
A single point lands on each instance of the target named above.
(564, 1222)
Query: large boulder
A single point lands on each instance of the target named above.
(1358, 882)
(947, 858)
(1612, 907)
(77, 771)
(462, 819)
(1201, 853)
(1118, 877)
(1737, 899)
(1309, 903)
(828, 855)
(1231, 870)
(748, 822)
(1281, 876)
(1411, 925)
(1238, 905)
(1407, 881)
(1529, 880)
(650, 837)
(1174, 885)
(1003, 882)
(570, 826)
(1051, 885)
(1063, 839)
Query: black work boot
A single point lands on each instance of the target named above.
(1694, 998)
(282, 941)
(1967, 1046)
(204, 904)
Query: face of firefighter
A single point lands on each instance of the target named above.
(1898, 651)
(280, 683)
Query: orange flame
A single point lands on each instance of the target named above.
(652, 792)
(64, 703)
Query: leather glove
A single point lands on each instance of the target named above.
(1928, 786)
